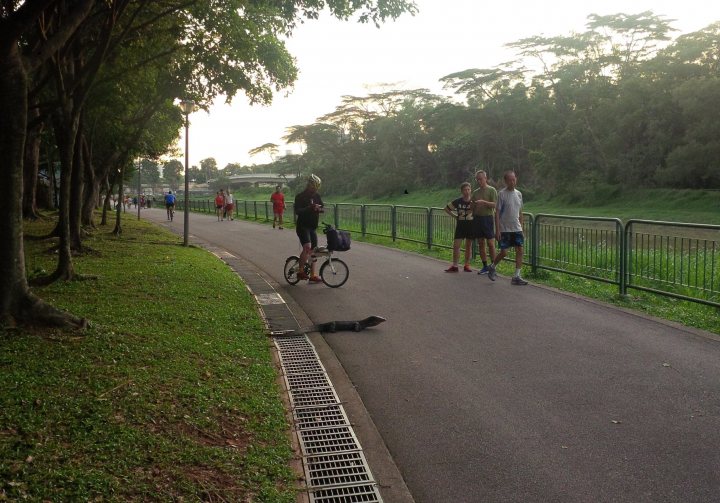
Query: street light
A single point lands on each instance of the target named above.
(186, 106)
(139, 187)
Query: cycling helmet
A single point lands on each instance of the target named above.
(169, 191)
(313, 179)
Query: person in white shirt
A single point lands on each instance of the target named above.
(509, 227)
(229, 205)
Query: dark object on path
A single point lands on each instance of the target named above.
(336, 326)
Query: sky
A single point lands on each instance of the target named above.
(345, 58)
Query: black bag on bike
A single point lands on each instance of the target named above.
(337, 240)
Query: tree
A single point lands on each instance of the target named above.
(172, 173)
(209, 168)
(17, 303)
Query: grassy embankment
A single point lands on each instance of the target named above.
(647, 204)
(170, 395)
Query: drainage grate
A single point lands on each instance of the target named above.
(293, 342)
(328, 440)
(337, 469)
(304, 381)
(353, 494)
(320, 417)
(303, 367)
(298, 354)
(309, 398)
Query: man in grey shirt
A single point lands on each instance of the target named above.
(509, 227)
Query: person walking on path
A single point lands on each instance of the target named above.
(278, 201)
(484, 199)
(461, 209)
(308, 206)
(509, 227)
(229, 205)
(219, 204)
(170, 204)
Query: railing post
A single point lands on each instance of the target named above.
(255, 209)
(535, 241)
(362, 220)
(393, 222)
(336, 216)
(429, 228)
(625, 246)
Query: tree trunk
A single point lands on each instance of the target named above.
(118, 219)
(106, 202)
(17, 303)
(91, 195)
(76, 195)
(30, 167)
(65, 124)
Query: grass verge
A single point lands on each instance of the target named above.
(170, 395)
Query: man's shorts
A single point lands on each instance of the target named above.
(510, 239)
(169, 205)
(306, 236)
(464, 229)
(484, 227)
(218, 207)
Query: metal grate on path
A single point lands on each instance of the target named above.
(336, 470)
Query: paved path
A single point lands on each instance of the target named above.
(487, 392)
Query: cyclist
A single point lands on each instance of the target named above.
(170, 204)
(308, 206)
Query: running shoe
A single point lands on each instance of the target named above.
(315, 279)
(467, 268)
(484, 270)
(492, 274)
(452, 268)
(517, 280)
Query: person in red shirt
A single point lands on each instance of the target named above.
(219, 204)
(278, 202)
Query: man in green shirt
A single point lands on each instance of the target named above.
(484, 198)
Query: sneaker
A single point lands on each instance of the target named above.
(302, 275)
(315, 279)
(467, 269)
(517, 280)
(452, 268)
(273, 225)
(484, 270)
(492, 274)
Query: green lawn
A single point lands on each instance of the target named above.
(170, 395)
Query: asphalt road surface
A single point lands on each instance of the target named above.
(487, 392)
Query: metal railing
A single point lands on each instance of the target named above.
(680, 260)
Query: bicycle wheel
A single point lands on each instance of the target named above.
(292, 266)
(334, 272)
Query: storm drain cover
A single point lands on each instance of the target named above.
(352, 494)
(336, 470)
(320, 417)
(328, 440)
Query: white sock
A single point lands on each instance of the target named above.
(517, 273)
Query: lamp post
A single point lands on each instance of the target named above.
(186, 106)
(139, 187)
